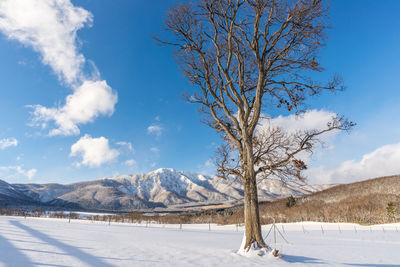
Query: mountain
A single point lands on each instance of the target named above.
(162, 189)
(12, 197)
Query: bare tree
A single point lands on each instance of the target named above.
(248, 57)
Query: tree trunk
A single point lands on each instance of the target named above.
(251, 215)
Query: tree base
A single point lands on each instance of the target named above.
(255, 250)
(259, 252)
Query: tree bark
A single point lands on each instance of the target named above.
(251, 214)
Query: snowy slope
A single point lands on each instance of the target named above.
(7, 189)
(162, 188)
(11, 197)
(54, 242)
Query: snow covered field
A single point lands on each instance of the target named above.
(55, 242)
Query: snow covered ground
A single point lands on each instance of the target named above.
(55, 242)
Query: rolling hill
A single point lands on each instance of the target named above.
(361, 202)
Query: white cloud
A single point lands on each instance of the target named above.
(130, 162)
(50, 28)
(381, 162)
(8, 142)
(128, 145)
(10, 172)
(155, 129)
(94, 151)
(311, 119)
(91, 99)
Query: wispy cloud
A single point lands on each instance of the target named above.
(209, 163)
(155, 129)
(50, 28)
(155, 150)
(11, 172)
(127, 145)
(207, 168)
(381, 162)
(130, 162)
(8, 142)
(94, 151)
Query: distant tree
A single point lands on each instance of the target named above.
(291, 201)
(391, 210)
(38, 212)
(248, 58)
(135, 216)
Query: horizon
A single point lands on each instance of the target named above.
(143, 123)
(189, 172)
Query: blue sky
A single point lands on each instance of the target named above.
(142, 123)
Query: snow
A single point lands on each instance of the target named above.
(55, 242)
(254, 250)
(6, 189)
(174, 189)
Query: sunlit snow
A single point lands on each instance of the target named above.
(55, 242)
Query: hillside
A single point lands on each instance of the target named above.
(162, 189)
(360, 202)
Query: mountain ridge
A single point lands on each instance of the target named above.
(161, 189)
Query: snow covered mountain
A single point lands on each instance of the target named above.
(159, 189)
(12, 197)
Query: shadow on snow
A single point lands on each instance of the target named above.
(14, 256)
(70, 250)
(301, 259)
